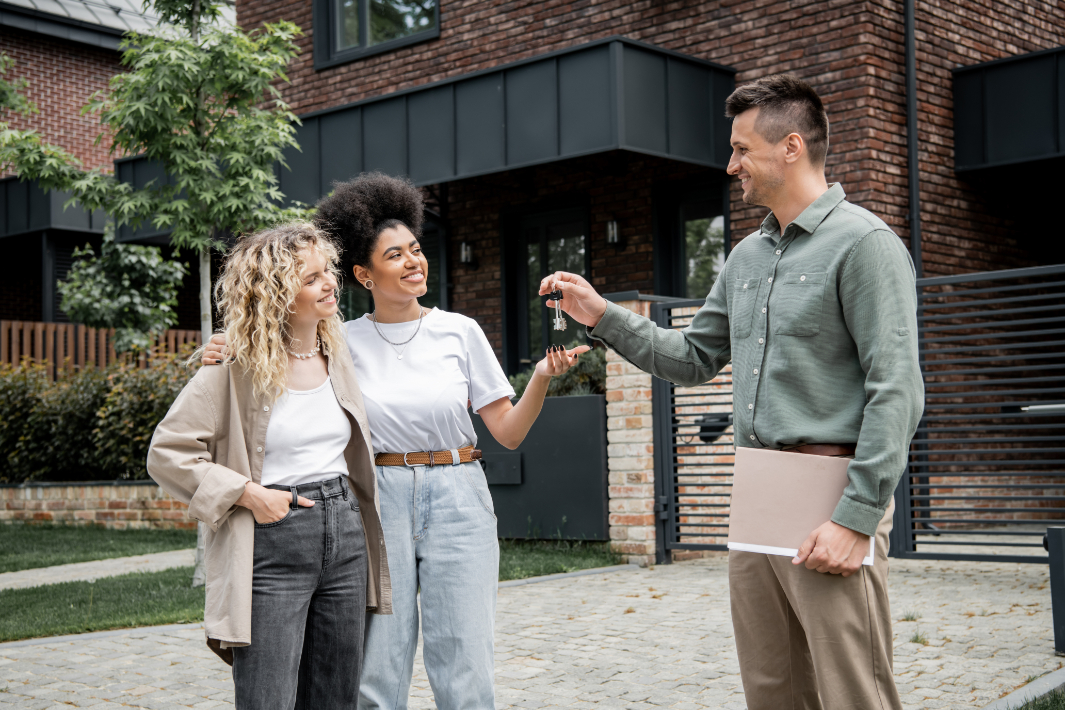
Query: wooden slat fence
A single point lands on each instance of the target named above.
(68, 346)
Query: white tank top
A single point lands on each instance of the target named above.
(306, 438)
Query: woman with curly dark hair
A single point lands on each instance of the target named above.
(420, 370)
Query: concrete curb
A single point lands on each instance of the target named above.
(567, 575)
(1037, 688)
(137, 630)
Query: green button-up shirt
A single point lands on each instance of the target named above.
(820, 324)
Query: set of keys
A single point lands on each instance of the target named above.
(560, 322)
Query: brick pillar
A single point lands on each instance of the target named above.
(630, 455)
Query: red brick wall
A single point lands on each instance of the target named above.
(614, 186)
(851, 51)
(63, 76)
(119, 507)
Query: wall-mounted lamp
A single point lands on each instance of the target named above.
(466, 255)
(613, 234)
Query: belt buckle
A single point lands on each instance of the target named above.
(405, 458)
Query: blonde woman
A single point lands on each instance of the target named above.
(272, 451)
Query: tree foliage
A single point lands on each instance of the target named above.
(128, 287)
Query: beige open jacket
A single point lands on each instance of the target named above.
(209, 445)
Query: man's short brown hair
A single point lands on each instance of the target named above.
(788, 105)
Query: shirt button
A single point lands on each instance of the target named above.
(770, 279)
(763, 310)
(756, 370)
(266, 409)
(778, 252)
(761, 340)
(745, 285)
(259, 449)
(802, 278)
(752, 437)
(750, 406)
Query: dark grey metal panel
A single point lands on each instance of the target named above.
(40, 212)
(1021, 110)
(479, 128)
(18, 203)
(432, 135)
(1061, 102)
(586, 105)
(643, 80)
(139, 172)
(968, 120)
(385, 136)
(300, 181)
(723, 85)
(690, 127)
(73, 217)
(532, 112)
(340, 136)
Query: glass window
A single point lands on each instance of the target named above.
(704, 250)
(360, 25)
(551, 243)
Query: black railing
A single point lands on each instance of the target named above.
(987, 468)
(987, 464)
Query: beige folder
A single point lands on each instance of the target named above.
(779, 498)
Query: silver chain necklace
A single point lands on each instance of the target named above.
(399, 353)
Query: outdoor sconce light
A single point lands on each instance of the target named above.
(613, 235)
(466, 255)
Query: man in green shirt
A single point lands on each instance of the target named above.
(817, 313)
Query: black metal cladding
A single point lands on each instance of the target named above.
(987, 465)
(26, 208)
(614, 94)
(139, 171)
(1010, 111)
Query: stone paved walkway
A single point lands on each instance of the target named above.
(88, 571)
(657, 638)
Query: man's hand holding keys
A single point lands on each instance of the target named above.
(580, 301)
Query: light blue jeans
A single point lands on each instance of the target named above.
(440, 532)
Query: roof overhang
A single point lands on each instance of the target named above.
(1010, 111)
(27, 209)
(612, 94)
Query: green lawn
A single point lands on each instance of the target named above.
(32, 546)
(138, 599)
(520, 559)
(1054, 700)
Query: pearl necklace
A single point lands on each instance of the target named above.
(312, 353)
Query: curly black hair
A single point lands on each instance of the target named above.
(360, 209)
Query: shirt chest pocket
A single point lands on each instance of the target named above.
(798, 302)
(741, 306)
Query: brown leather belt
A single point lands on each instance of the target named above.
(428, 458)
(823, 449)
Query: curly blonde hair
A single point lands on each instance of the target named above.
(256, 293)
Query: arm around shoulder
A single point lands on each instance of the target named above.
(180, 458)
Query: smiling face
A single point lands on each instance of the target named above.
(398, 268)
(317, 299)
(758, 163)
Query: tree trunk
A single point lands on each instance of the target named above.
(199, 576)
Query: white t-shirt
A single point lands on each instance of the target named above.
(418, 403)
(306, 438)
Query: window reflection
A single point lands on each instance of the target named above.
(348, 24)
(704, 253)
(394, 19)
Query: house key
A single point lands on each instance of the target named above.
(560, 322)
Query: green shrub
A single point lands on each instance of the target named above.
(136, 402)
(87, 425)
(588, 376)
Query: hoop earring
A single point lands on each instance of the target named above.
(368, 284)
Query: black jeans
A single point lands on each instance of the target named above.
(308, 607)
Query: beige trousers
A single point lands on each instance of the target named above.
(813, 641)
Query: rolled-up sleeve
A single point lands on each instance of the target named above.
(180, 461)
(879, 301)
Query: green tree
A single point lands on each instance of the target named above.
(704, 242)
(128, 287)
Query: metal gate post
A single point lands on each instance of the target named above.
(1056, 547)
(661, 413)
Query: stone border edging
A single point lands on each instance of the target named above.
(566, 575)
(1036, 689)
(99, 634)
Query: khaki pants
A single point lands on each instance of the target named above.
(813, 641)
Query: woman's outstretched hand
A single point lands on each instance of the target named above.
(559, 360)
(579, 299)
(215, 351)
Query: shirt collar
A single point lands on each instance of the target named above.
(811, 217)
